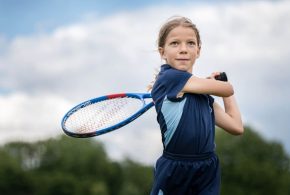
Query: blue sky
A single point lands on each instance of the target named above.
(24, 17)
(19, 17)
(55, 54)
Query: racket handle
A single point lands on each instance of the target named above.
(222, 77)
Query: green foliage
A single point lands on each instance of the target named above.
(250, 165)
(68, 166)
(13, 180)
(138, 178)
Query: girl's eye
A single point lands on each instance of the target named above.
(174, 43)
(191, 43)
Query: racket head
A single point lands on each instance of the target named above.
(104, 114)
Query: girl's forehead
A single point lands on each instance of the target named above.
(182, 32)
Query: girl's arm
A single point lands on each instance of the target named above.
(230, 118)
(208, 86)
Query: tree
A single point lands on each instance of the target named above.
(84, 161)
(138, 178)
(252, 165)
(13, 179)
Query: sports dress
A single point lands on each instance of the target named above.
(188, 164)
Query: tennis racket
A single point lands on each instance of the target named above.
(104, 114)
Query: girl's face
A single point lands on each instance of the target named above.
(180, 49)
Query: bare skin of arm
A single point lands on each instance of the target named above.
(229, 118)
(208, 86)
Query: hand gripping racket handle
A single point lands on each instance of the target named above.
(222, 77)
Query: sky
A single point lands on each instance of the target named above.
(56, 54)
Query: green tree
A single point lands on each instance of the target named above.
(137, 178)
(252, 165)
(56, 183)
(82, 159)
(13, 179)
(64, 165)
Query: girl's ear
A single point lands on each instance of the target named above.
(161, 52)
(198, 52)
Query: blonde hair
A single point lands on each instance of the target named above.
(172, 23)
(167, 27)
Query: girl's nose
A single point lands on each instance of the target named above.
(183, 48)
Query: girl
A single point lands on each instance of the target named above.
(187, 115)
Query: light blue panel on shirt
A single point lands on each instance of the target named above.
(172, 112)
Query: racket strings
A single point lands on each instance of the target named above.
(102, 114)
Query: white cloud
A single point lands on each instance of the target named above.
(118, 54)
(29, 117)
(137, 140)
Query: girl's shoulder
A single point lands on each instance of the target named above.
(173, 74)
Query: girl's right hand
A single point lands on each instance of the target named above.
(213, 75)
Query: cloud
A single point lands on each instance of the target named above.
(137, 140)
(29, 117)
(103, 52)
(47, 73)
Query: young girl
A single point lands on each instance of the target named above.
(187, 115)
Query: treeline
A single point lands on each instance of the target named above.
(68, 166)
(250, 165)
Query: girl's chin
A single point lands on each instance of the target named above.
(183, 67)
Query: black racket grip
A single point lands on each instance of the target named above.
(222, 77)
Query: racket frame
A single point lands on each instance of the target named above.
(140, 96)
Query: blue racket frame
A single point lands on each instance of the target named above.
(141, 96)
